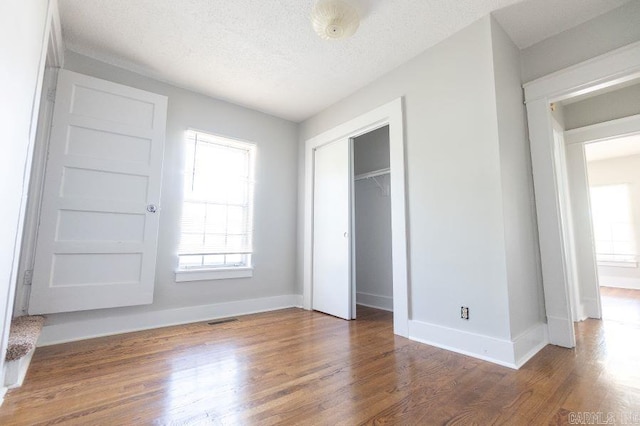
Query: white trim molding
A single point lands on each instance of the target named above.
(604, 71)
(55, 50)
(592, 307)
(560, 332)
(388, 114)
(509, 353)
(604, 131)
(529, 343)
(16, 370)
(89, 328)
(186, 275)
(375, 301)
(612, 68)
(51, 21)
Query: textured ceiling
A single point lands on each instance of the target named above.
(264, 54)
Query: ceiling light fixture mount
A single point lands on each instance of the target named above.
(335, 19)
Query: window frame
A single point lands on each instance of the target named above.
(226, 271)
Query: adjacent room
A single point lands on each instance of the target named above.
(601, 159)
(320, 212)
(613, 168)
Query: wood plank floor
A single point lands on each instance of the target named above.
(620, 304)
(299, 367)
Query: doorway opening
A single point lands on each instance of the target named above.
(613, 169)
(329, 251)
(373, 272)
(604, 73)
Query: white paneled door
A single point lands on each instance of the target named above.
(332, 292)
(96, 244)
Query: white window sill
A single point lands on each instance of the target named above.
(617, 264)
(184, 275)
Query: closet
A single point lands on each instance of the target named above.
(372, 220)
(354, 242)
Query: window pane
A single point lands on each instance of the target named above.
(216, 219)
(187, 261)
(236, 223)
(218, 192)
(191, 242)
(214, 260)
(612, 225)
(237, 163)
(604, 246)
(235, 243)
(193, 217)
(235, 259)
(622, 247)
(215, 243)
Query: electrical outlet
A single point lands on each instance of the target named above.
(464, 312)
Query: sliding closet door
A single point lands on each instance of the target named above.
(96, 244)
(332, 292)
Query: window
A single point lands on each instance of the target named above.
(612, 225)
(217, 212)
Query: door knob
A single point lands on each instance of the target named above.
(346, 234)
(152, 208)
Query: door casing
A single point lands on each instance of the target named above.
(608, 70)
(390, 114)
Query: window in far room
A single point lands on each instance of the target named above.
(217, 211)
(612, 224)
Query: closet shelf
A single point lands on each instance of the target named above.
(372, 174)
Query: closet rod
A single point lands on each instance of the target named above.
(372, 174)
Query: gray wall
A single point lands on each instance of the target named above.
(374, 285)
(607, 32)
(456, 224)
(275, 196)
(371, 151)
(520, 225)
(620, 103)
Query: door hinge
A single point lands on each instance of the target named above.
(28, 277)
(51, 95)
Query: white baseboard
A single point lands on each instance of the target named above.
(512, 354)
(619, 282)
(591, 308)
(375, 301)
(580, 312)
(3, 392)
(559, 331)
(98, 327)
(15, 371)
(487, 348)
(529, 343)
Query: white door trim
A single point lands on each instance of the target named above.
(603, 131)
(576, 140)
(388, 114)
(36, 185)
(607, 70)
(6, 306)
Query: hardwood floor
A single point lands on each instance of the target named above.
(299, 367)
(620, 304)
